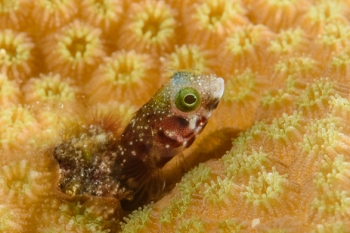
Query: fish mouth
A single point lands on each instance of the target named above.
(219, 88)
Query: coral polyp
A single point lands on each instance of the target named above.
(209, 22)
(103, 14)
(50, 88)
(150, 27)
(13, 13)
(331, 202)
(267, 193)
(333, 39)
(289, 41)
(9, 92)
(21, 184)
(13, 218)
(245, 45)
(320, 14)
(124, 74)
(339, 65)
(277, 14)
(49, 15)
(314, 99)
(74, 51)
(295, 66)
(189, 57)
(17, 56)
(18, 123)
(243, 90)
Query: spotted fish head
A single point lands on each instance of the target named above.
(180, 111)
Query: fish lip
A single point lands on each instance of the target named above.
(220, 87)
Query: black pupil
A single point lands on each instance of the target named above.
(190, 99)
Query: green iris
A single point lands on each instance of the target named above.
(187, 99)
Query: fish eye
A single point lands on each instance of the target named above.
(187, 99)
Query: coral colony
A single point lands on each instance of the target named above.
(74, 69)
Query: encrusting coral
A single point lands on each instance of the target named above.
(188, 57)
(50, 15)
(13, 14)
(74, 50)
(208, 22)
(17, 123)
(49, 89)
(286, 67)
(277, 14)
(150, 26)
(125, 76)
(242, 95)
(17, 57)
(106, 14)
(9, 93)
(247, 44)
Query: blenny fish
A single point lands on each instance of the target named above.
(97, 161)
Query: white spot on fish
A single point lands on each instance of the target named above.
(192, 122)
(169, 133)
(219, 88)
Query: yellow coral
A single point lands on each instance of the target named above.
(301, 67)
(188, 57)
(190, 225)
(9, 92)
(331, 202)
(289, 41)
(282, 133)
(210, 22)
(80, 218)
(13, 218)
(241, 97)
(333, 39)
(275, 103)
(136, 220)
(339, 65)
(266, 195)
(313, 101)
(74, 50)
(48, 88)
(243, 47)
(103, 14)
(340, 107)
(277, 14)
(18, 124)
(125, 76)
(13, 13)
(49, 15)
(150, 27)
(20, 183)
(286, 70)
(322, 13)
(17, 57)
(322, 137)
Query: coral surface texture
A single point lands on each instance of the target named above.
(274, 157)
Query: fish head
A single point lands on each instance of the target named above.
(187, 102)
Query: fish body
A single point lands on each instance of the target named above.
(168, 123)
